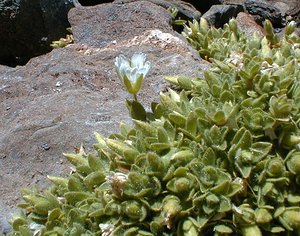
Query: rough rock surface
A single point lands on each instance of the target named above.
(28, 27)
(218, 15)
(185, 11)
(288, 8)
(57, 101)
(204, 6)
(263, 10)
(247, 24)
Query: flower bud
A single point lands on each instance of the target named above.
(290, 28)
(134, 210)
(182, 184)
(171, 208)
(262, 216)
(293, 163)
(292, 217)
(251, 230)
(233, 26)
(275, 168)
(132, 73)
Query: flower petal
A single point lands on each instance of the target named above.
(138, 60)
(145, 69)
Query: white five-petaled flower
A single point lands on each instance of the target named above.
(132, 73)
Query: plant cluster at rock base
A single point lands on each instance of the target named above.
(220, 157)
(63, 42)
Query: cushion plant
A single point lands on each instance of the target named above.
(219, 155)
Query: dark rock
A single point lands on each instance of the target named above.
(186, 11)
(63, 97)
(241, 2)
(93, 2)
(28, 27)
(263, 10)
(218, 15)
(204, 6)
(289, 9)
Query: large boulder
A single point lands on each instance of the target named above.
(218, 15)
(57, 101)
(186, 11)
(28, 27)
(204, 6)
(263, 10)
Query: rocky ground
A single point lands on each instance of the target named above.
(56, 102)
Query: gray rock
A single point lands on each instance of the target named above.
(289, 9)
(218, 15)
(57, 101)
(28, 27)
(241, 2)
(263, 10)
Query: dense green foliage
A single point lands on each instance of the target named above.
(218, 156)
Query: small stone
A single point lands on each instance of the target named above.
(45, 146)
(58, 84)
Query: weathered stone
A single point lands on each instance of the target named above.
(263, 10)
(28, 27)
(204, 6)
(289, 9)
(247, 24)
(241, 2)
(92, 2)
(109, 22)
(218, 15)
(185, 11)
(57, 101)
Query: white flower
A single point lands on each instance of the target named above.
(132, 73)
(116, 177)
(117, 181)
(106, 229)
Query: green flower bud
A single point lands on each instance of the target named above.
(233, 26)
(293, 163)
(262, 216)
(275, 168)
(292, 218)
(182, 184)
(252, 230)
(204, 25)
(189, 228)
(112, 208)
(134, 210)
(171, 208)
(290, 28)
(290, 140)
